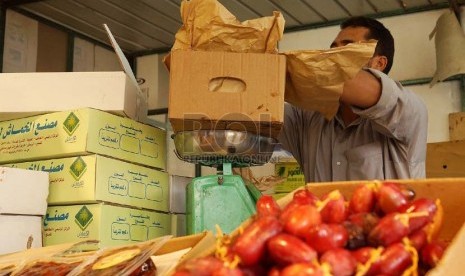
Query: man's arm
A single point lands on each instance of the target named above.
(363, 91)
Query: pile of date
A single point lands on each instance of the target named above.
(382, 229)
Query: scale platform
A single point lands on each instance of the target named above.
(223, 199)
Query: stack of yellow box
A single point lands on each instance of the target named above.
(106, 174)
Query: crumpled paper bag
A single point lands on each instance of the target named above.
(264, 183)
(449, 40)
(315, 78)
(209, 26)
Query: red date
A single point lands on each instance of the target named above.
(267, 206)
(363, 199)
(300, 219)
(390, 229)
(333, 208)
(432, 253)
(390, 197)
(341, 262)
(302, 269)
(287, 249)
(250, 245)
(324, 237)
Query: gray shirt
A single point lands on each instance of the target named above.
(387, 141)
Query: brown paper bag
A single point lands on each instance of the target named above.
(316, 77)
(209, 26)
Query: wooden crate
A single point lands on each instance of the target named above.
(457, 126)
(445, 159)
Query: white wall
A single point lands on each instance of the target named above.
(415, 58)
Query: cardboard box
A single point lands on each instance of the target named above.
(93, 178)
(174, 165)
(112, 225)
(178, 225)
(28, 94)
(448, 190)
(41, 93)
(197, 102)
(178, 186)
(293, 174)
(18, 233)
(80, 132)
(23, 192)
(178, 249)
(445, 159)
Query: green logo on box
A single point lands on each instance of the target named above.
(71, 123)
(83, 218)
(78, 168)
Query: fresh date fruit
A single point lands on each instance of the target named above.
(300, 219)
(287, 249)
(333, 207)
(251, 244)
(267, 206)
(340, 261)
(363, 199)
(324, 237)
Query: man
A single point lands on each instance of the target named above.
(380, 129)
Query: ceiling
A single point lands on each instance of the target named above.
(149, 26)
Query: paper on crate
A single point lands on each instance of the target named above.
(197, 102)
(19, 233)
(81, 132)
(28, 94)
(95, 178)
(23, 192)
(111, 225)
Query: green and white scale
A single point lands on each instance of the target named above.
(223, 199)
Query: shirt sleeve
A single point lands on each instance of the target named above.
(291, 133)
(399, 113)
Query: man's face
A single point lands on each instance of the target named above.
(350, 35)
(359, 34)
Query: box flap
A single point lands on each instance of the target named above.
(141, 98)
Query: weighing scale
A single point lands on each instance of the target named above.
(223, 199)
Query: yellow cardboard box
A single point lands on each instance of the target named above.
(112, 225)
(81, 132)
(93, 178)
(293, 174)
(223, 90)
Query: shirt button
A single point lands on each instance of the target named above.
(338, 163)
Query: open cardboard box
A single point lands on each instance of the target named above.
(227, 91)
(189, 246)
(448, 190)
